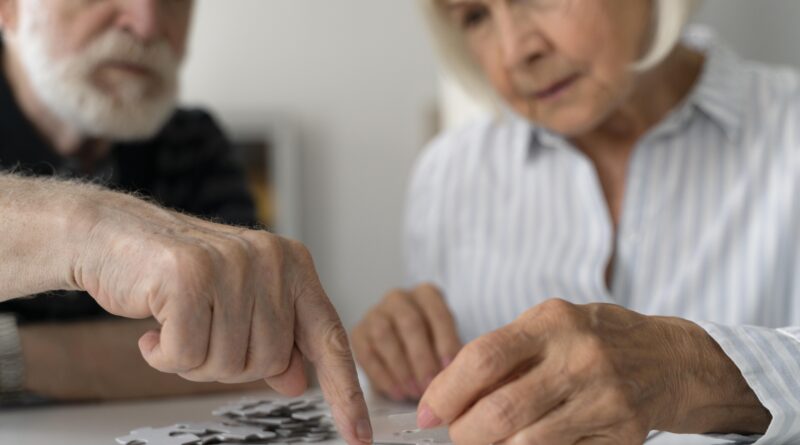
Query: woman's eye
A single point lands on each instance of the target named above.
(473, 17)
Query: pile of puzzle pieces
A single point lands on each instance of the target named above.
(249, 421)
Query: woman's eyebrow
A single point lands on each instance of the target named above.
(453, 4)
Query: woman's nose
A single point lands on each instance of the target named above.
(521, 43)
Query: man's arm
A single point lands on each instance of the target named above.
(233, 305)
(100, 360)
(42, 233)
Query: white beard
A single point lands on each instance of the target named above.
(65, 86)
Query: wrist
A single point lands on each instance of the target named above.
(73, 215)
(713, 396)
(40, 219)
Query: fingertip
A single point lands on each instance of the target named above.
(350, 413)
(426, 418)
(364, 431)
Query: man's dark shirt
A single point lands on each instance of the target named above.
(189, 166)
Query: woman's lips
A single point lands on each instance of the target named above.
(556, 88)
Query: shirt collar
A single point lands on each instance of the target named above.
(721, 92)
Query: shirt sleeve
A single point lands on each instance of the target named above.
(769, 360)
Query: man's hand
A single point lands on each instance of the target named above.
(234, 305)
(593, 374)
(405, 341)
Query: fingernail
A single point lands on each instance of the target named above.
(446, 361)
(426, 418)
(364, 431)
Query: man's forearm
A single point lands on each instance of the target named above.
(41, 226)
(99, 361)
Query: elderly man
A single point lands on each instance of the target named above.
(88, 92)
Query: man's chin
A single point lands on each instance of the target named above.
(122, 120)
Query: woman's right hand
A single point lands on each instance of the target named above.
(405, 341)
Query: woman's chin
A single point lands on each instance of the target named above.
(567, 123)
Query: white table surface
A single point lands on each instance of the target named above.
(100, 424)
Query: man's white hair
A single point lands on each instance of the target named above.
(669, 19)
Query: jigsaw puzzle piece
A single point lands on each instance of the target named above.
(159, 436)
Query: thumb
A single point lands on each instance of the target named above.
(293, 382)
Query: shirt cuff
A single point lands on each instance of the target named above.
(769, 360)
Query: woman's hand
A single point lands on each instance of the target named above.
(405, 341)
(593, 374)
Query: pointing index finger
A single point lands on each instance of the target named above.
(323, 340)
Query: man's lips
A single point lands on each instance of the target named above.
(128, 67)
(556, 88)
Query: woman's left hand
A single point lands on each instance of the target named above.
(568, 374)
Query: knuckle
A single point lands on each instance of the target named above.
(486, 354)
(395, 297)
(381, 329)
(195, 377)
(185, 362)
(335, 341)
(235, 249)
(420, 356)
(553, 312)
(275, 363)
(428, 288)
(186, 260)
(557, 307)
(229, 373)
(298, 250)
(410, 321)
(501, 413)
(266, 245)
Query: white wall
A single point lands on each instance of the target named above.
(765, 30)
(358, 79)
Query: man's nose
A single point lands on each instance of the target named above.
(142, 18)
(520, 41)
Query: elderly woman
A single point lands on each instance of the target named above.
(651, 182)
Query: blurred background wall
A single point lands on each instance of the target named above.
(357, 81)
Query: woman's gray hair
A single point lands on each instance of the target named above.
(670, 18)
